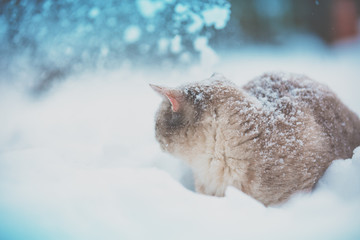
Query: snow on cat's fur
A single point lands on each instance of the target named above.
(273, 137)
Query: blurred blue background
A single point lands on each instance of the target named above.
(56, 38)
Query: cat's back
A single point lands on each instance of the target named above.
(283, 93)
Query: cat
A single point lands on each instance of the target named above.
(271, 138)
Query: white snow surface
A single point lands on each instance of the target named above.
(82, 162)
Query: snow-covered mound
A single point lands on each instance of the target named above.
(82, 163)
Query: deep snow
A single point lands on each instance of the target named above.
(81, 162)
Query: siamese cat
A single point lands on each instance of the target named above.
(271, 138)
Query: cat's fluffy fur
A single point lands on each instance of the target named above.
(273, 137)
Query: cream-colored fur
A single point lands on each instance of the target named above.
(271, 138)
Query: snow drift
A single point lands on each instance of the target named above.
(81, 162)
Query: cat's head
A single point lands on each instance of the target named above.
(186, 112)
(177, 116)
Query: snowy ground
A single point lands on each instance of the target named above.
(81, 162)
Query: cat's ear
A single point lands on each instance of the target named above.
(174, 96)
